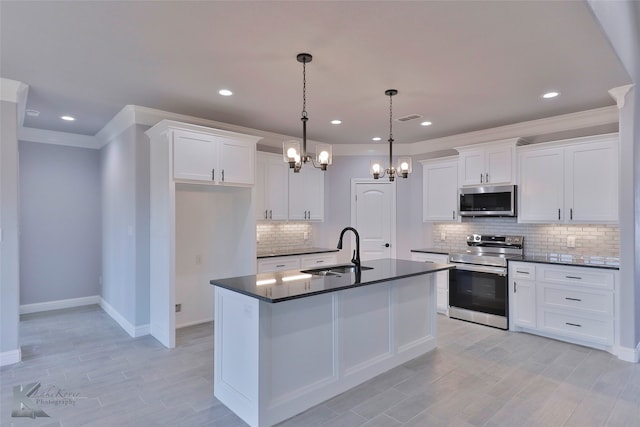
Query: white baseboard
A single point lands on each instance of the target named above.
(59, 304)
(628, 354)
(10, 357)
(196, 322)
(133, 331)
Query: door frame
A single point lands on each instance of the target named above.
(392, 226)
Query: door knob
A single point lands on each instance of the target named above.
(386, 245)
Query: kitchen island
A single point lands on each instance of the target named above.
(289, 340)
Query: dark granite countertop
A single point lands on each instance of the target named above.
(291, 284)
(295, 252)
(432, 251)
(574, 260)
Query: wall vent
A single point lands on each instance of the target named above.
(409, 117)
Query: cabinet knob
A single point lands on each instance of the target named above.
(386, 245)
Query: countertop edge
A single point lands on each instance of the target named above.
(310, 251)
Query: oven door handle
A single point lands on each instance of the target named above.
(482, 269)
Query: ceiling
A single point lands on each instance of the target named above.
(463, 65)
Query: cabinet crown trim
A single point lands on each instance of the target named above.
(572, 141)
(439, 159)
(503, 142)
(170, 125)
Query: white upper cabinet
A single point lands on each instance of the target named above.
(440, 189)
(541, 189)
(306, 194)
(212, 155)
(492, 163)
(272, 187)
(571, 181)
(591, 186)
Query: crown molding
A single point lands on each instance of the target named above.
(16, 92)
(619, 94)
(565, 122)
(58, 138)
(137, 115)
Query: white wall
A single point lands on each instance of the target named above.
(9, 223)
(60, 222)
(125, 225)
(620, 21)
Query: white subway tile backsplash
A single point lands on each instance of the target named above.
(283, 236)
(591, 240)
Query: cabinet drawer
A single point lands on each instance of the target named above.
(599, 331)
(522, 271)
(437, 258)
(598, 303)
(585, 276)
(278, 264)
(310, 261)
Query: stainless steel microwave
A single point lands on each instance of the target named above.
(499, 200)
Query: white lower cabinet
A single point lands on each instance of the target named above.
(296, 262)
(576, 304)
(442, 278)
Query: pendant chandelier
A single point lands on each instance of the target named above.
(403, 168)
(291, 150)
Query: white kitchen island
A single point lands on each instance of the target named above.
(286, 341)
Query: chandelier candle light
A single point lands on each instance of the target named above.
(291, 149)
(404, 163)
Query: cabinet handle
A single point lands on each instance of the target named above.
(486, 178)
(213, 174)
(222, 175)
(558, 214)
(309, 214)
(522, 272)
(270, 214)
(515, 287)
(571, 214)
(573, 299)
(453, 214)
(280, 265)
(481, 179)
(265, 214)
(574, 277)
(573, 324)
(319, 262)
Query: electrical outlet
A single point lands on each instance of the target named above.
(571, 241)
(178, 308)
(443, 236)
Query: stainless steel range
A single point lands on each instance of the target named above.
(478, 285)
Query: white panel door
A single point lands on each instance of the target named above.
(195, 156)
(237, 161)
(592, 182)
(499, 165)
(373, 216)
(472, 168)
(541, 189)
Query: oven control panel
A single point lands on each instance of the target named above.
(489, 240)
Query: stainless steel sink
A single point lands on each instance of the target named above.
(335, 270)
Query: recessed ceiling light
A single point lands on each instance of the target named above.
(425, 124)
(376, 138)
(68, 118)
(336, 122)
(550, 95)
(225, 92)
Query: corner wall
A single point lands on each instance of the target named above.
(9, 244)
(125, 229)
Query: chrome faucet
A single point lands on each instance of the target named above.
(356, 253)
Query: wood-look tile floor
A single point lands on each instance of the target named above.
(478, 376)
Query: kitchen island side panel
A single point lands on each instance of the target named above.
(309, 350)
